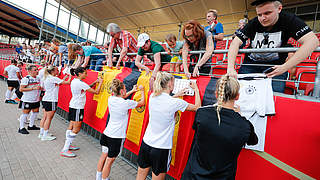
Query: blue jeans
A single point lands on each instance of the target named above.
(96, 64)
(277, 86)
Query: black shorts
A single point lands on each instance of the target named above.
(158, 159)
(49, 106)
(13, 83)
(75, 114)
(28, 105)
(114, 145)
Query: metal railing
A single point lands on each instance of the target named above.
(316, 92)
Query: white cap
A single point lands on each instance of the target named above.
(142, 38)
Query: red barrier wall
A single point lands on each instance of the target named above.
(293, 136)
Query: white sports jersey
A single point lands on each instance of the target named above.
(118, 121)
(34, 95)
(40, 75)
(78, 90)
(256, 102)
(160, 129)
(12, 72)
(51, 86)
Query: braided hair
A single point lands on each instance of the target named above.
(227, 88)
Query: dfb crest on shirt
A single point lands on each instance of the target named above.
(250, 90)
(140, 109)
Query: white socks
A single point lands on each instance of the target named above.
(41, 131)
(14, 96)
(68, 131)
(106, 179)
(8, 94)
(23, 117)
(45, 133)
(68, 141)
(99, 175)
(33, 116)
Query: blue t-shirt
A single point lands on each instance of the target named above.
(216, 30)
(19, 49)
(177, 48)
(88, 50)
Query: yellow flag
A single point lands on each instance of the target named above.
(137, 114)
(105, 92)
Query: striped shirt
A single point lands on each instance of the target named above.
(126, 39)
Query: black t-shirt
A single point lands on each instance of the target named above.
(215, 148)
(288, 25)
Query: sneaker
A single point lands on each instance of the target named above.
(48, 138)
(40, 136)
(34, 127)
(7, 101)
(67, 154)
(17, 99)
(23, 131)
(73, 148)
(12, 102)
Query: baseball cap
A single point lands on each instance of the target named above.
(258, 2)
(142, 38)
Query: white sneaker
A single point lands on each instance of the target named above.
(40, 136)
(48, 138)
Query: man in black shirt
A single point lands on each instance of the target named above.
(272, 29)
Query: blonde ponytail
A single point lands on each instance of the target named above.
(48, 70)
(161, 82)
(227, 89)
(116, 86)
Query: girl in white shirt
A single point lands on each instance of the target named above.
(115, 133)
(155, 150)
(76, 107)
(30, 100)
(50, 99)
(13, 73)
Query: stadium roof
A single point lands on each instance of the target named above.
(16, 22)
(160, 17)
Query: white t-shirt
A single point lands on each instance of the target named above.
(118, 121)
(160, 129)
(34, 95)
(12, 72)
(256, 96)
(41, 75)
(256, 102)
(51, 86)
(78, 90)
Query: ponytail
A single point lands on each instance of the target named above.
(161, 82)
(116, 86)
(48, 70)
(76, 71)
(227, 88)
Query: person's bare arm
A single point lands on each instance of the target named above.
(86, 61)
(123, 53)
(23, 88)
(142, 101)
(309, 43)
(66, 81)
(197, 103)
(109, 60)
(205, 57)
(218, 37)
(185, 48)
(97, 90)
(140, 65)
(232, 54)
(157, 61)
